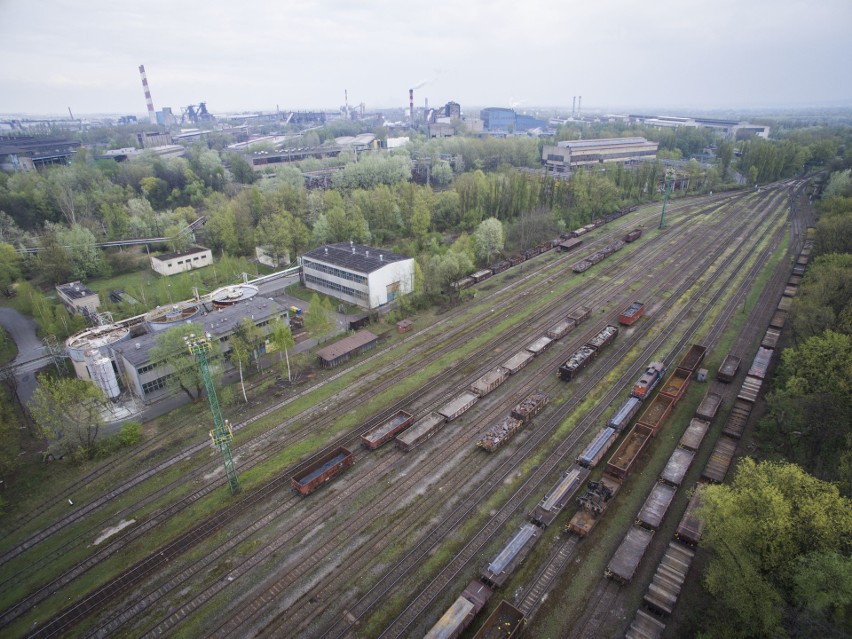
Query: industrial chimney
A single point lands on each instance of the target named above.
(411, 105)
(152, 115)
(574, 106)
(579, 105)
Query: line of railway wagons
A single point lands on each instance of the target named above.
(564, 243)
(508, 619)
(673, 569)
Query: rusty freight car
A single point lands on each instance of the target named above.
(500, 433)
(656, 505)
(530, 406)
(728, 369)
(423, 429)
(491, 380)
(631, 314)
(694, 434)
(387, 430)
(322, 470)
(506, 622)
(626, 455)
(691, 526)
(655, 415)
(458, 405)
(629, 554)
(709, 406)
(463, 610)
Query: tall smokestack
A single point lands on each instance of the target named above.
(574, 106)
(579, 105)
(411, 105)
(152, 115)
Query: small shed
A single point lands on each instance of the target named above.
(341, 351)
(172, 263)
(403, 326)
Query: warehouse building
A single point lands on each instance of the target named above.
(147, 379)
(363, 275)
(179, 261)
(349, 346)
(571, 154)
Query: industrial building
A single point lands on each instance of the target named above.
(117, 357)
(341, 351)
(499, 119)
(729, 129)
(179, 261)
(76, 297)
(570, 154)
(363, 275)
(29, 153)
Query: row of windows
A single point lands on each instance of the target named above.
(195, 259)
(157, 384)
(334, 286)
(330, 270)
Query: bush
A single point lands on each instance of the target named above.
(130, 434)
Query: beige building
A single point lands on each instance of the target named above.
(570, 154)
(172, 263)
(76, 296)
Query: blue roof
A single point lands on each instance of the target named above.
(512, 548)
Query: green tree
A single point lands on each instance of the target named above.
(239, 355)
(10, 263)
(445, 269)
(282, 340)
(68, 412)
(318, 318)
(488, 240)
(275, 237)
(759, 529)
(171, 355)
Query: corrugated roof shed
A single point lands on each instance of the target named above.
(346, 345)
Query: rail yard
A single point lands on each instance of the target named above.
(522, 395)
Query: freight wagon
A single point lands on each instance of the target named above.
(501, 567)
(459, 615)
(626, 559)
(691, 526)
(631, 314)
(669, 579)
(656, 505)
(463, 283)
(506, 622)
(559, 496)
(598, 447)
(540, 345)
(386, 431)
(644, 626)
(481, 276)
(760, 364)
(779, 318)
(500, 433)
(676, 467)
(322, 470)
(693, 358)
(514, 260)
(424, 429)
(675, 386)
(582, 266)
(627, 411)
(720, 460)
(737, 419)
(491, 380)
(578, 232)
(561, 329)
(604, 338)
(655, 415)
(709, 406)
(458, 405)
(633, 235)
(531, 406)
(577, 362)
(649, 379)
(694, 434)
(750, 389)
(517, 361)
(770, 338)
(580, 314)
(594, 503)
(728, 369)
(569, 244)
(626, 455)
(499, 267)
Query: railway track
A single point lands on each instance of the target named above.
(265, 595)
(402, 626)
(572, 257)
(185, 609)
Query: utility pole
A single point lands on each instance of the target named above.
(665, 201)
(222, 435)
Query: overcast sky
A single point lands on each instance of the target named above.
(256, 54)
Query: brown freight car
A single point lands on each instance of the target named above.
(737, 419)
(387, 430)
(720, 460)
(728, 369)
(693, 357)
(629, 554)
(625, 456)
(655, 415)
(322, 470)
(675, 386)
(709, 406)
(505, 622)
(694, 434)
(691, 526)
(656, 505)
(669, 579)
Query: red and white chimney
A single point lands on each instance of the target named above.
(152, 115)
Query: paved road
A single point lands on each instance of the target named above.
(22, 329)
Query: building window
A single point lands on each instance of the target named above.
(146, 368)
(336, 272)
(334, 286)
(157, 384)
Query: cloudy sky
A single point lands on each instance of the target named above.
(256, 54)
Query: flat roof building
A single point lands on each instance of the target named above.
(76, 296)
(339, 352)
(28, 153)
(363, 275)
(570, 154)
(179, 261)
